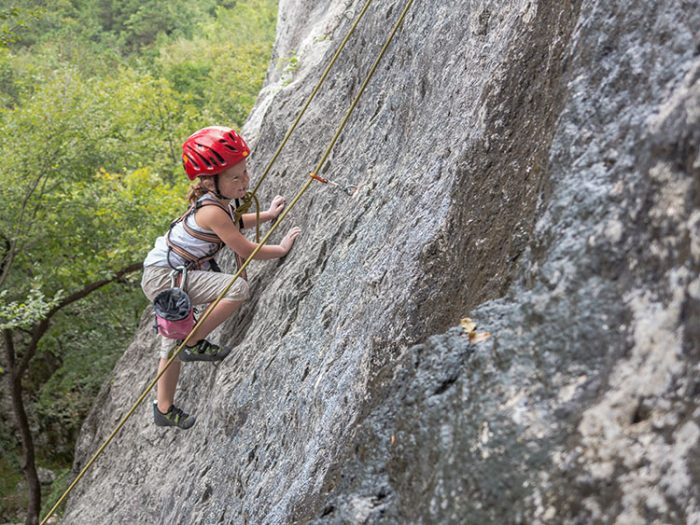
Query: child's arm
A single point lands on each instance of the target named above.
(217, 220)
(276, 207)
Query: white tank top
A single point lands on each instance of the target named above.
(158, 256)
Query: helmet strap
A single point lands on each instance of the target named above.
(218, 193)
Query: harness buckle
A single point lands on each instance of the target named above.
(174, 277)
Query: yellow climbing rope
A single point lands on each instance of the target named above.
(312, 177)
(252, 195)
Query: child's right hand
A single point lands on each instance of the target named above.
(289, 239)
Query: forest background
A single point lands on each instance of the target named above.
(96, 97)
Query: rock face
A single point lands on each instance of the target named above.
(531, 164)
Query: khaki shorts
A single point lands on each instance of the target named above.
(202, 286)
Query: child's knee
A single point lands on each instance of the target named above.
(240, 291)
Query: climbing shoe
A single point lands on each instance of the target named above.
(174, 417)
(204, 351)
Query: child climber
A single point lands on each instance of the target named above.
(217, 157)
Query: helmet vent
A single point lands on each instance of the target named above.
(219, 157)
(226, 144)
(204, 159)
(194, 162)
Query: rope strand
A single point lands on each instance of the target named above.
(251, 195)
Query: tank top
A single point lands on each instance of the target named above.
(159, 256)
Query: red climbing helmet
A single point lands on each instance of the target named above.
(212, 150)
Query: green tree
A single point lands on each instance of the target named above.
(95, 100)
(14, 20)
(221, 67)
(70, 227)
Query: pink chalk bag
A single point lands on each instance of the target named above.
(173, 308)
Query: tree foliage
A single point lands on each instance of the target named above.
(95, 99)
(81, 180)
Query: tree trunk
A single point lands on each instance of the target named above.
(16, 370)
(29, 466)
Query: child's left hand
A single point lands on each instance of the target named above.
(277, 205)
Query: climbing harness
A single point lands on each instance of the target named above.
(191, 260)
(312, 177)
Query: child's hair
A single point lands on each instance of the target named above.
(198, 189)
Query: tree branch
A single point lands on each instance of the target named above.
(87, 290)
(32, 220)
(42, 327)
(8, 258)
(25, 201)
(9, 349)
(25, 434)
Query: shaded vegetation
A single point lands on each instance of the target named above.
(95, 100)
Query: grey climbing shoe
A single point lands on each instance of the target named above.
(174, 417)
(204, 351)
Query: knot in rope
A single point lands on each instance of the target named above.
(245, 205)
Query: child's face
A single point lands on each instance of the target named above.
(234, 181)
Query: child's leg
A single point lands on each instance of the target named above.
(223, 311)
(166, 384)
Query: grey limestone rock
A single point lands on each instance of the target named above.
(533, 165)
